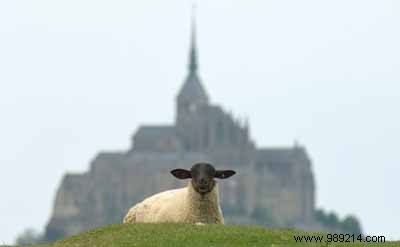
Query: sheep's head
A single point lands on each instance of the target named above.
(202, 175)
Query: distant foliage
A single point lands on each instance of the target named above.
(349, 225)
(352, 225)
(29, 236)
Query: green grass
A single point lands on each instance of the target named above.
(192, 235)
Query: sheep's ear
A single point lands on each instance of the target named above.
(224, 173)
(181, 173)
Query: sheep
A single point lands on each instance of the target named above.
(197, 203)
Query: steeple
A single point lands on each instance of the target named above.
(193, 48)
(192, 90)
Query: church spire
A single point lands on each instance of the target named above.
(192, 90)
(193, 48)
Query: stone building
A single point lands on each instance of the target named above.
(273, 186)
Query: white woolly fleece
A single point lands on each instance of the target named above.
(179, 205)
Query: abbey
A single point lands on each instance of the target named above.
(273, 186)
(278, 181)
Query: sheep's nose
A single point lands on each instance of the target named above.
(203, 181)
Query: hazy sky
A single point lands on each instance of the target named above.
(77, 77)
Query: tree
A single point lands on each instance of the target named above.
(351, 225)
(29, 236)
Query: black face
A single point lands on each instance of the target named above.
(202, 175)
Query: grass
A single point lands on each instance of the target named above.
(192, 235)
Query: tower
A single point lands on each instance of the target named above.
(190, 101)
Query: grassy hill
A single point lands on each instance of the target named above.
(192, 235)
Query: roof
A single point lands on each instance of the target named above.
(280, 155)
(193, 89)
(274, 154)
(156, 131)
(162, 138)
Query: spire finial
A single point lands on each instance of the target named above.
(193, 54)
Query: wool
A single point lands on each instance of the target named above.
(180, 205)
